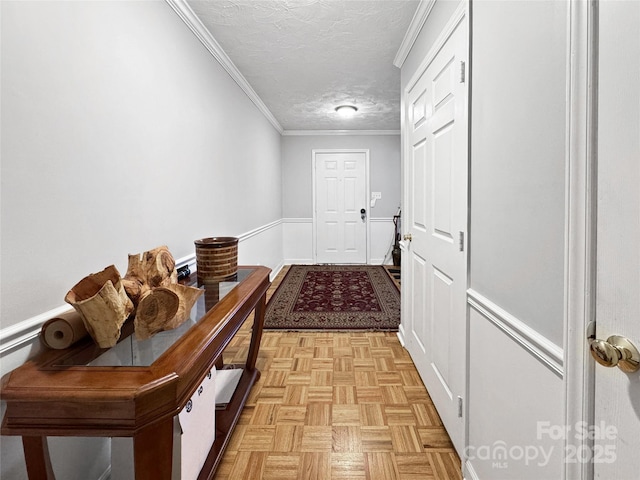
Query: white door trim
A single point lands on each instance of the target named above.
(314, 152)
(447, 31)
(580, 228)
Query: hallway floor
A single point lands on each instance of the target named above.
(336, 405)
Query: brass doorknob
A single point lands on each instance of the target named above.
(615, 351)
(408, 237)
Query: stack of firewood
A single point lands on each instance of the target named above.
(149, 290)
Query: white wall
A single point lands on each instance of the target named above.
(120, 132)
(518, 154)
(518, 163)
(297, 196)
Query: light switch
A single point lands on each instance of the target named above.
(376, 195)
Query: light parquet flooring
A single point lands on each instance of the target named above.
(335, 405)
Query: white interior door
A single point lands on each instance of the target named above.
(617, 394)
(435, 263)
(341, 210)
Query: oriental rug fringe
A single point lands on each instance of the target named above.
(335, 297)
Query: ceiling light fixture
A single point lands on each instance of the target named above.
(346, 110)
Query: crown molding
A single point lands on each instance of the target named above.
(417, 22)
(195, 25)
(447, 31)
(293, 133)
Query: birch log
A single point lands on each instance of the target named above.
(149, 270)
(103, 304)
(188, 297)
(161, 303)
(155, 310)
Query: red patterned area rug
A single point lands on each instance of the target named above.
(335, 297)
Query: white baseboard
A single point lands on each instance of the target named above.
(400, 334)
(276, 271)
(299, 261)
(468, 471)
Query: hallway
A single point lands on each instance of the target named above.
(336, 405)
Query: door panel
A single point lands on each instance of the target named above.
(443, 297)
(418, 212)
(436, 211)
(331, 239)
(350, 237)
(340, 192)
(442, 182)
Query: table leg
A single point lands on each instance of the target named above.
(220, 362)
(36, 456)
(153, 451)
(256, 333)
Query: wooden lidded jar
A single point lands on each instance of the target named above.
(216, 258)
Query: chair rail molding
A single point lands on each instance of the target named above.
(537, 344)
(16, 336)
(302, 133)
(256, 231)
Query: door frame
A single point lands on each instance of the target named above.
(580, 231)
(367, 189)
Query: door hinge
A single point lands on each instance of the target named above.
(459, 407)
(461, 242)
(463, 72)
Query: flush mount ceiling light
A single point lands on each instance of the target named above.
(346, 110)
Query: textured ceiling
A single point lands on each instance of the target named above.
(305, 57)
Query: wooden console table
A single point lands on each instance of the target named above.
(136, 388)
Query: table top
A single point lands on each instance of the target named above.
(84, 388)
(130, 351)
